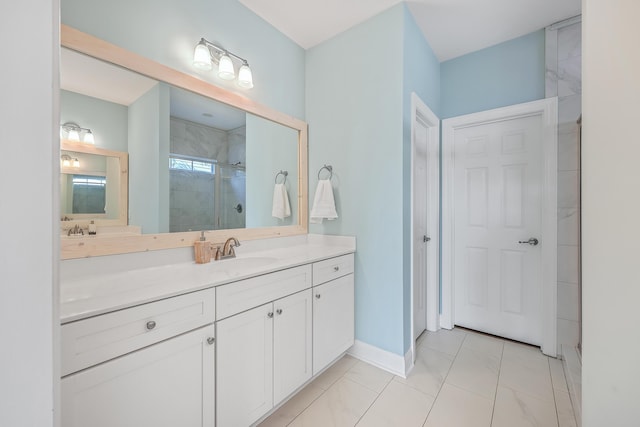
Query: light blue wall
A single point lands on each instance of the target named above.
(168, 30)
(107, 120)
(508, 73)
(149, 161)
(270, 148)
(354, 109)
(422, 76)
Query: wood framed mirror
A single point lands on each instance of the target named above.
(263, 161)
(94, 185)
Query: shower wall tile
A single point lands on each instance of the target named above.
(238, 146)
(570, 77)
(568, 188)
(568, 301)
(568, 265)
(568, 226)
(563, 58)
(568, 142)
(193, 139)
(569, 109)
(569, 42)
(568, 333)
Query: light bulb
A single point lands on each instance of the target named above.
(76, 163)
(202, 57)
(245, 78)
(225, 68)
(88, 138)
(65, 162)
(74, 135)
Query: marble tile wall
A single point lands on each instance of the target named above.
(196, 200)
(564, 80)
(196, 140)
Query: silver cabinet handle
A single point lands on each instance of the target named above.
(317, 296)
(532, 241)
(279, 311)
(150, 325)
(270, 314)
(211, 340)
(336, 268)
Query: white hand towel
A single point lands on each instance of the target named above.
(281, 208)
(324, 205)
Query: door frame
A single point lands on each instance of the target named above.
(419, 110)
(548, 110)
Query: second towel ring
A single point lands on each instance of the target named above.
(283, 173)
(329, 168)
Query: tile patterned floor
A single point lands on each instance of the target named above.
(461, 378)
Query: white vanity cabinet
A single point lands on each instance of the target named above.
(333, 310)
(223, 356)
(166, 385)
(265, 353)
(147, 366)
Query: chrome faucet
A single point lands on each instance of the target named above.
(228, 250)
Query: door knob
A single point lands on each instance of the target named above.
(426, 239)
(532, 241)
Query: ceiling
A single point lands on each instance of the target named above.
(98, 79)
(452, 27)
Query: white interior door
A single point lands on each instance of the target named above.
(498, 206)
(420, 238)
(425, 219)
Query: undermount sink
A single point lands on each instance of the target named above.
(247, 262)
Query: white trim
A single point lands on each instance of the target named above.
(390, 362)
(548, 109)
(419, 110)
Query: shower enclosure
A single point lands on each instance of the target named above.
(206, 197)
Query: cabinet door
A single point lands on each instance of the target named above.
(165, 385)
(292, 343)
(333, 320)
(244, 364)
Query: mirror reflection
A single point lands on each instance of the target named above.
(83, 185)
(194, 163)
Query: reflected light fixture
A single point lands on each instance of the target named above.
(76, 133)
(207, 53)
(68, 161)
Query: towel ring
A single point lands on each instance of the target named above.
(283, 173)
(329, 168)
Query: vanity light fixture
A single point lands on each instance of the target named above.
(76, 133)
(68, 161)
(207, 53)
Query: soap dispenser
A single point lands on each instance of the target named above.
(202, 250)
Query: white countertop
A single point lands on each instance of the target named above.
(87, 295)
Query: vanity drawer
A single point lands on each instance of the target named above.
(91, 341)
(246, 294)
(329, 269)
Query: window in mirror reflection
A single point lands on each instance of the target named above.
(89, 194)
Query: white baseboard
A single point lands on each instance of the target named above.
(390, 362)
